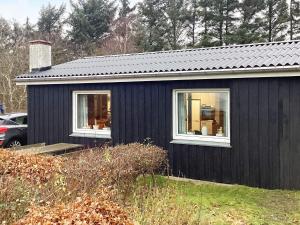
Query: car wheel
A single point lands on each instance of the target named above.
(14, 143)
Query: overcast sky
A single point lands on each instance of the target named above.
(21, 9)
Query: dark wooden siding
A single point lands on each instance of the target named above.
(265, 125)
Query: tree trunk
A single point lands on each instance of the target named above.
(205, 21)
(193, 28)
(174, 36)
(291, 20)
(270, 14)
(227, 23)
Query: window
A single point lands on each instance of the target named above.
(92, 113)
(201, 115)
(21, 120)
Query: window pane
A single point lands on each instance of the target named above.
(21, 120)
(203, 113)
(93, 111)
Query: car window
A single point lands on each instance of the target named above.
(25, 120)
(7, 122)
(21, 120)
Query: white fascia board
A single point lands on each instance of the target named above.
(167, 76)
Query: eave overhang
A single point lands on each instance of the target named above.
(264, 72)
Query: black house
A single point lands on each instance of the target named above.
(227, 114)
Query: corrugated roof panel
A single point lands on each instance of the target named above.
(274, 54)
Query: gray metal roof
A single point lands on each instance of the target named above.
(236, 57)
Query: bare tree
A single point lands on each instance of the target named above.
(13, 63)
(121, 38)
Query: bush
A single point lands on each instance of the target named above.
(82, 171)
(122, 164)
(51, 184)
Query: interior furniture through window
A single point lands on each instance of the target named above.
(92, 112)
(201, 115)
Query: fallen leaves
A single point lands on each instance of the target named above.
(85, 210)
(33, 168)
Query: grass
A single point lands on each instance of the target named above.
(208, 203)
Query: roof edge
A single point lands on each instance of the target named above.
(287, 71)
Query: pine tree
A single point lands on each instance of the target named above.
(206, 16)
(294, 19)
(50, 22)
(125, 8)
(231, 7)
(28, 30)
(276, 19)
(193, 19)
(151, 26)
(90, 21)
(176, 15)
(223, 20)
(251, 24)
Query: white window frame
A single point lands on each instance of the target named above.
(81, 132)
(200, 139)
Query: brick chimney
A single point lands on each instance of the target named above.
(39, 55)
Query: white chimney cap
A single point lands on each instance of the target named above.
(39, 55)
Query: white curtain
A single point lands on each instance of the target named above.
(182, 114)
(82, 111)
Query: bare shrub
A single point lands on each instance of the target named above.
(122, 164)
(82, 171)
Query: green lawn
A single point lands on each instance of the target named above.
(209, 203)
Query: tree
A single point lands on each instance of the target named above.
(231, 7)
(276, 19)
(5, 31)
(206, 16)
(294, 17)
(125, 8)
(251, 27)
(151, 26)
(176, 15)
(121, 34)
(223, 20)
(13, 61)
(29, 32)
(50, 22)
(193, 19)
(120, 37)
(90, 21)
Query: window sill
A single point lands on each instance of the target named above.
(202, 143)
(90, 135)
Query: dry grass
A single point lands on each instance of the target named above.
(159, 206)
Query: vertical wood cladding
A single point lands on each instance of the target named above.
(265, 127)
